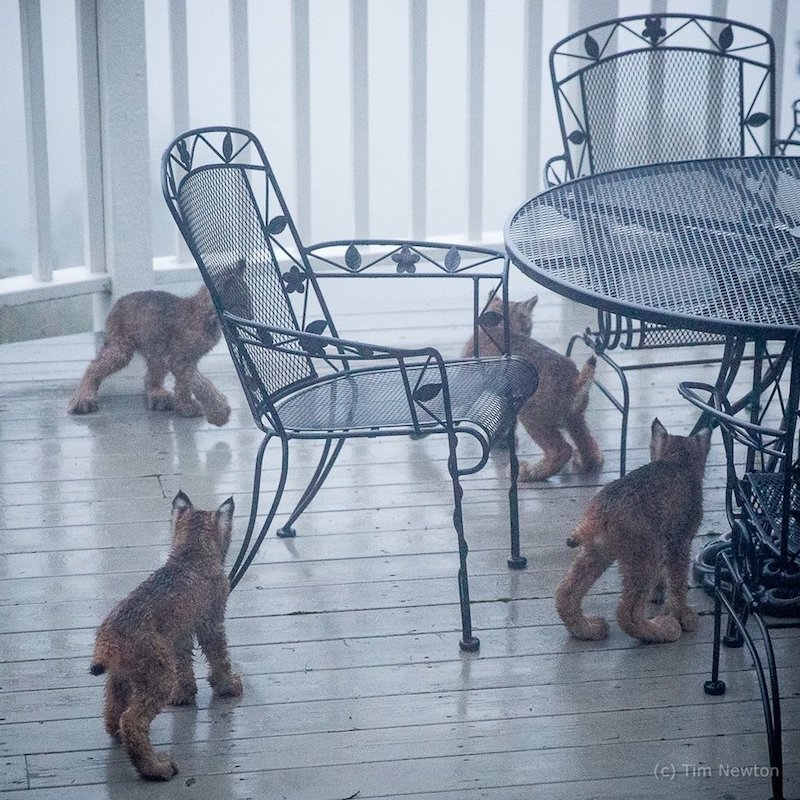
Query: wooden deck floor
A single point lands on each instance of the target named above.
(346, 637)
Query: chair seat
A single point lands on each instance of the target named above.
(766, 492)
(377, 397)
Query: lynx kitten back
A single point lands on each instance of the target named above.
(560, 400)
(646, 521)
(144, 645)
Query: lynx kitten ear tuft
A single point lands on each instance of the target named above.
(530, 304)
(241, 266)
(657, 429)
(226, 508)
(181, 502)
(703, 436)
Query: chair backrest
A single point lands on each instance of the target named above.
(223, 195)
(650, 89)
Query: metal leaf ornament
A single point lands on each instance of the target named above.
(227, 147)
(490, 319)
(591, 47)
(277, 224)
(577, 137)
(452, 259)
(725, 38)
(183, 153)
(426, 392)
(352, 258)
(265, 337)
(406, 261)
(294, 280)
(653, 30)
(757, 120)
(314, 348)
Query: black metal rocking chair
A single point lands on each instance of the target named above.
(757, 575)
(300, 379)
(650, 89)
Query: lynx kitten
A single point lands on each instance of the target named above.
(646, 521)
(559, 401)
(172, 334)
(145, 644)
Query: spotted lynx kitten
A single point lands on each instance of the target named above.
(559, 401)
(144, 646)
(646, 521)
(172, 334)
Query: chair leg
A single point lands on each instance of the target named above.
(245, 558)
(715, 686)
(287, 531)
(515, 560)
(775, 730)
(468, 643)
(770, 695)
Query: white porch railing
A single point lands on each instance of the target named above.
(412, 118)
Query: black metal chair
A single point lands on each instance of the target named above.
(757, 575)
(301, 380)
(649, 89)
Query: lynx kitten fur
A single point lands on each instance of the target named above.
(560, 400)
(172, 334)
(646, 521)
(145, 644)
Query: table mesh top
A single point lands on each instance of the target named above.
(716, 241)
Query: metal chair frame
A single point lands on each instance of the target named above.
(649, 45)
(285, 346)
(757, 577)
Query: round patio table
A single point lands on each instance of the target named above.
(711, 245)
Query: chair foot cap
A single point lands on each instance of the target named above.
(286, 532)
(714, 687)
(470, 645)
(517, 562)
(733, 642)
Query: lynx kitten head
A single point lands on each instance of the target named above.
(193, 529)
(691, 450)
(520, 322)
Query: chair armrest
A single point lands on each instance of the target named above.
(770, 442)
(314, 343)
(556, 171)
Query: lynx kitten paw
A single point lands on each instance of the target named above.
(82, 405)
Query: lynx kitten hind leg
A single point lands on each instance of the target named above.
(213, 403)
(677, 584)
(590, 564)
(638, 582)
(556, 450)
(113, 356)
(589, 456)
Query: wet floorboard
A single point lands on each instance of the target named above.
(346, 637)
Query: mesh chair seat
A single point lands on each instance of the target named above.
(482, 392)
(767, 499)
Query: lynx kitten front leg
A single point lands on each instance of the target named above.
(211, 637)
(158, 398)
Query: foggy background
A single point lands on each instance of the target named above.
(271, 110)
